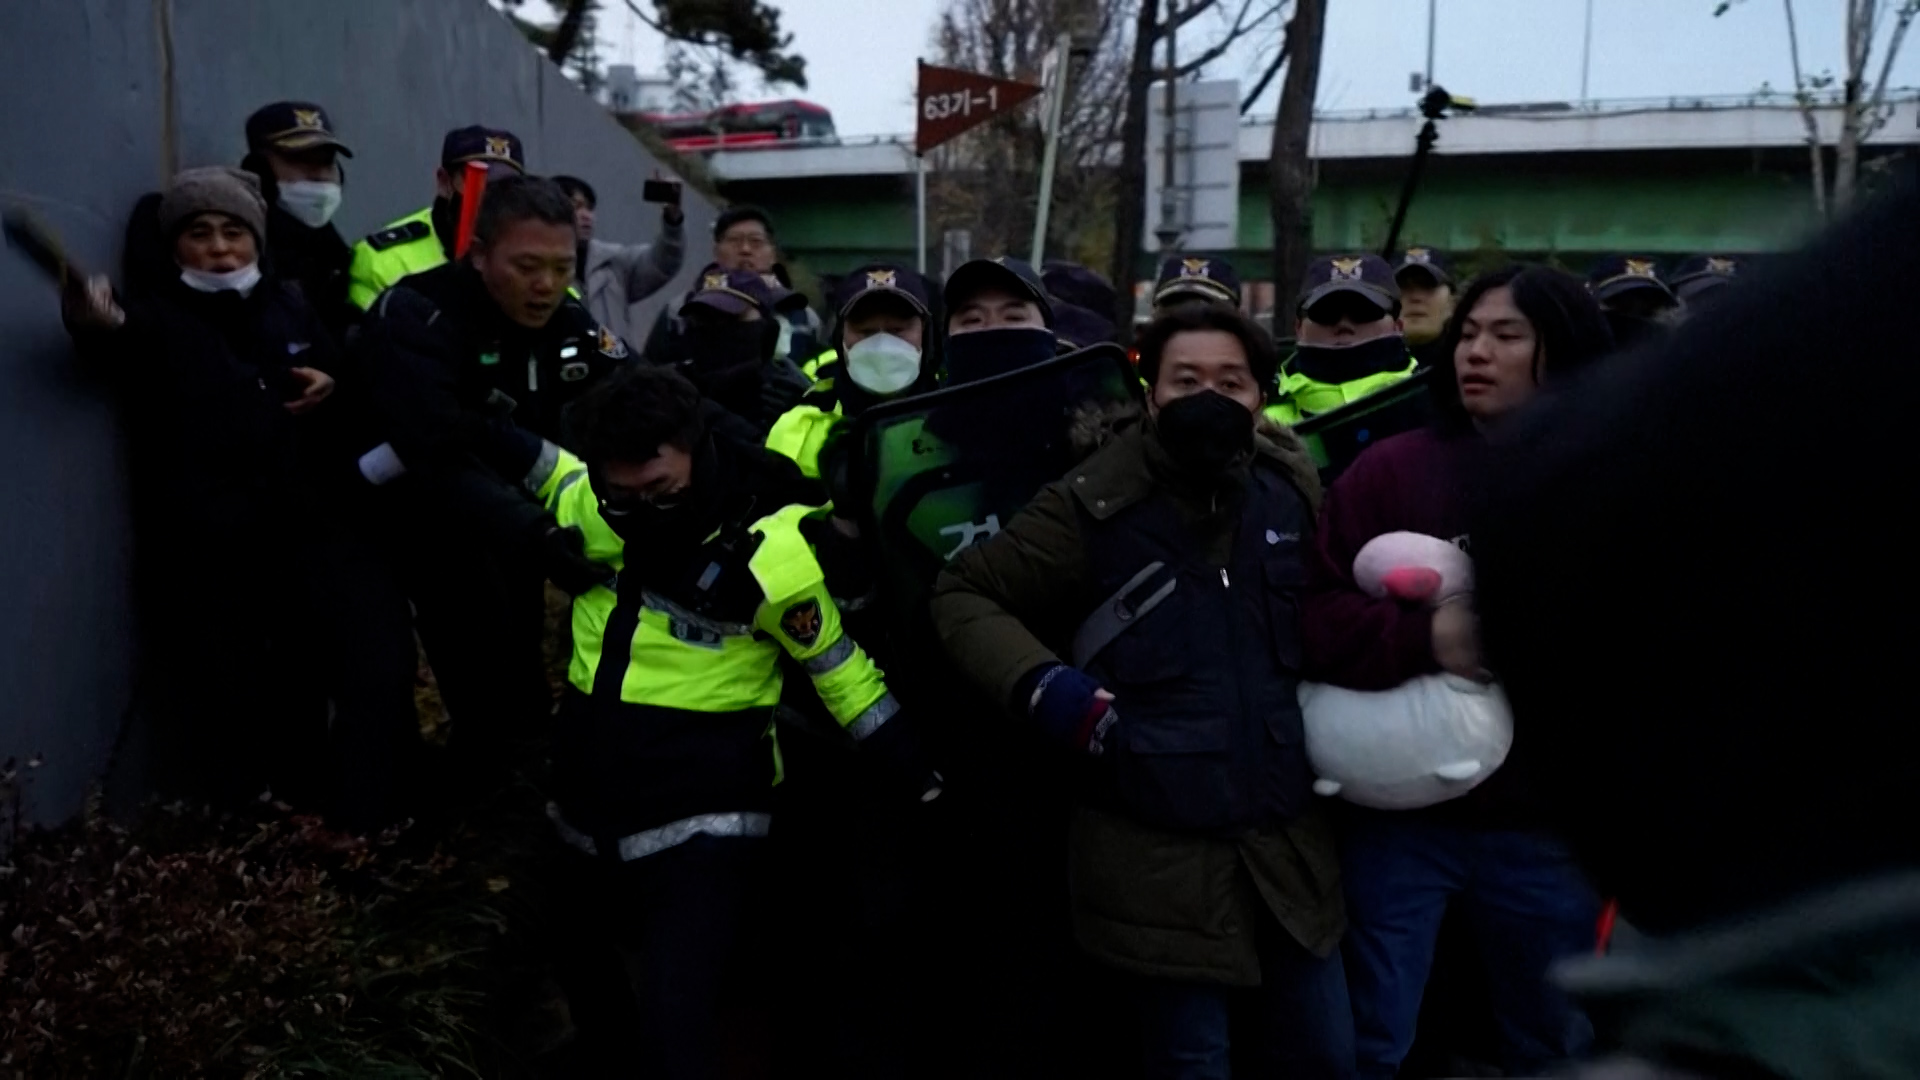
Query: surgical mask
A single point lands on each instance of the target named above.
(883, 364)
(982, 354)
(241, 281)
(310, 202)
(1345, 363)
(1205, 433)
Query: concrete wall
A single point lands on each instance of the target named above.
(102, 99)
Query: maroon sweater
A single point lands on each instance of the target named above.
(1414, 482)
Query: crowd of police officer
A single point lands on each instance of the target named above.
(339, 446)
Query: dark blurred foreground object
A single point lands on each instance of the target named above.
(1717, 688)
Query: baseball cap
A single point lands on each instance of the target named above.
(484, 144)
(885, 279)
(1424, 261)
(1071, 283)
(1617, 275)
(292, 126)
(1015, 276)
(1703, 273)
(1079, 327)
(1367, 276)
(734, 292)
(1198, 278)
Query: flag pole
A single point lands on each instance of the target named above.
(1061, 57)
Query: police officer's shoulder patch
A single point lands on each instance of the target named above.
(574, 372)
(802, 622)
(611, 346)
(399, 234)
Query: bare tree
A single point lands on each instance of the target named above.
(1863, 109)
(1218, 25)
(987, 181)
(1290, 172)
(1863, 105)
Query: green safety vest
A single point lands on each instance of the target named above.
(406, 247)
(1301, 397)
(811, 369)
(797, 618)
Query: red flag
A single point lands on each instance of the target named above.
(470, 193)
(951, 101)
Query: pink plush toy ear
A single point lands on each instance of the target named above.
(1411, 583)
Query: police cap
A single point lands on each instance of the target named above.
(735, 292)
(1423, 262)
(1365, 276)
(1703, 273)
(882, 279)
(490, 146)
(1617, 275)
(1012, 275)
(1197, 278)
(292, 127)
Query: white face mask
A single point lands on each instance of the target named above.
(241, 281)
(883, 364)
(311, 202)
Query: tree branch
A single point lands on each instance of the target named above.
(647, 20)
(567, 34)
(1273, 69)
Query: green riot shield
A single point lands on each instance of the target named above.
(1335, 438)
(935, 474)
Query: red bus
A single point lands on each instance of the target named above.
(735, 127)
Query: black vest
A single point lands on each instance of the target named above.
(1206, 683)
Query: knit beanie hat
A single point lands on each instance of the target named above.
(218, 189)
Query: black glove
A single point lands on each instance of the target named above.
(905, 765)
(563, 557)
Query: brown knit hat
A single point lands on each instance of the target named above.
(216, 189)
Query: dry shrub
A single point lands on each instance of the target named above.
(196, 946)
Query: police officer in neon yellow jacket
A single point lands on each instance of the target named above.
(1351, 343)
(882, 329)
(665, 757)
(424, 239)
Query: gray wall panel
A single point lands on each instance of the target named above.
(83, 133)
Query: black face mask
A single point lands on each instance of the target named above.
(982, 354)
(1345, 363)
(662, 525)
(1205, 433)
(728, 362)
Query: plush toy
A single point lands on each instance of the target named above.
(1427, 740)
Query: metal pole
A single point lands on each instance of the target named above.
(920, 209)
(1586, 52)
(1062, 57)
(1168, 205)
(1431, 5)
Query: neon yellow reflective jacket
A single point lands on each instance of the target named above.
(1301, 397)
(801, 433)
(407, 246)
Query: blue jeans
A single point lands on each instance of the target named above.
(1296, 1024)
(1528, 906)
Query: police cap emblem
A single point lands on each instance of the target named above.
(1721, 266)
(1196, 268)
(308, 118)
(1346, 269)
(499, 147)
(1640, 268)
(881, 279)
(714, 281)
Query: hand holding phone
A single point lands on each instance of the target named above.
(666, 192)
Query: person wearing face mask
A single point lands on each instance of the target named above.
(1488, 852)
(473, 366)
(665, 756)
(878, 355)
(1349, 340)
(1639, 305)
(425, 239)
(293, 150)
(1426, 287)
(253, 530)
(999, 319)
(727, 347)
(1142, 614)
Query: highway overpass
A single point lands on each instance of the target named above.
(1671, 177)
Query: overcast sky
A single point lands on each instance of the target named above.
(860, 53)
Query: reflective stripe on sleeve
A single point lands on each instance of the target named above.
(837, 654)
(673, 834)
(869, 722)
(543, 467)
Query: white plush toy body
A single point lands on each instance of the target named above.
(1427, 740)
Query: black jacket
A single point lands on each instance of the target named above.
(204, 379)
(317, 260)
(453, 378)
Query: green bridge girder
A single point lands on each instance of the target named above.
(1570, 208)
